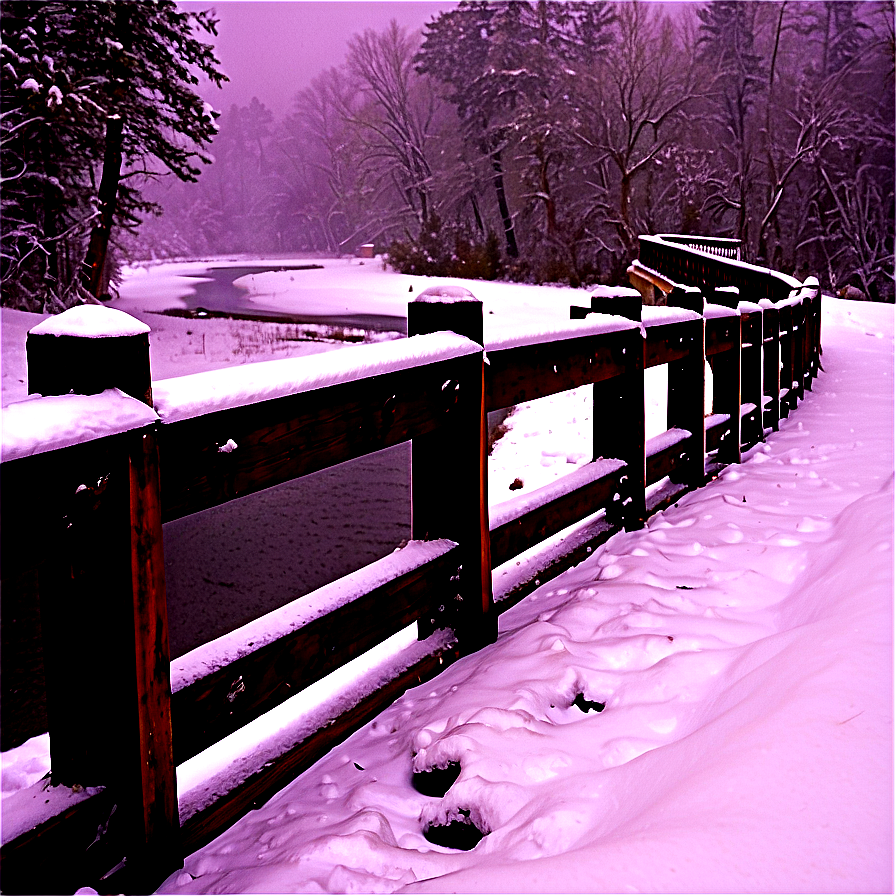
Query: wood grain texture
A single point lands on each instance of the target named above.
(520, 534)
(528, 372)
(670, 461)
(284, 438)
(226, 699)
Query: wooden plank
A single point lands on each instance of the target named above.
(718, 428)
(771, 369)
(751, 375)
(524, 373)
(685, 403)
(799, 351)
(785, 324)
(203, 827)
(618, 430)
(518, 535)
(665, 343)
(668, 460)
(284, 438)
(726, 398)
(722, 334)
(71, 849)
(228, 698)
(154, 849)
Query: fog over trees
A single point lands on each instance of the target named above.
(535, 140)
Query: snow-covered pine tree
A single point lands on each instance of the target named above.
(96, 98)
(506, 68)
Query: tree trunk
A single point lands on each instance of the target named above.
(95, 262)
(498, 181)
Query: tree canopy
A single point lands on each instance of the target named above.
(97, 97)
(536, 139)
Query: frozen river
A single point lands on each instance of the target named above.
(216, 291)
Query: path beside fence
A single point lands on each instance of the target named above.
(114, 466)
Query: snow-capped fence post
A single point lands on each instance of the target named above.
(687, 388)
(87, 349)
(109, 706)
(618, 427)
(800, 319)
(751, 371)
(771, 365)
(812, 302)
(786, 343)
(723, 350)
(449, 491)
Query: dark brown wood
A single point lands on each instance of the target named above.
(669, 461)
(771, 369)
(717, 433)
(153, 853)
(685, 263)
(203, 827)
(751, 376)
(85, 365)
(627, 305)
(225, 700)
(53, 498)
(726, 374)
(618, 430)
(691, 298)
(785, 324)
(449, 487)
(666, 343)
(684, 408)
(284, 438)
(528, 372)
(525, 532)
(103, 617)
(722, 334)
(799, 351)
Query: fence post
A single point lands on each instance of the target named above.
(771, 365)
(785, 335)
(449, 473)
(811, 303)
(751, 371)
(813, 330)
(687, 389)
(87, 349)
(726, 391)
(109, 702)
(618, 414)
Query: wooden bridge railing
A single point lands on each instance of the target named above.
(668, 259)
(99, 482)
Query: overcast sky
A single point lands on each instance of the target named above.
(273, 49)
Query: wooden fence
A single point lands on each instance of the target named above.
(83, 510)
(668, 259)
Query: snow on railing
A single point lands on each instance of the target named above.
(99, 473)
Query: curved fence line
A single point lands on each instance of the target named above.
(669, 259)
(117, 730)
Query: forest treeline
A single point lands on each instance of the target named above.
(535, 140)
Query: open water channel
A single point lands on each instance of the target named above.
(233, 563)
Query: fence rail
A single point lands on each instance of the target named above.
(121, 716)
(667, 260)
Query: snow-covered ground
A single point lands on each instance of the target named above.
(741, 646)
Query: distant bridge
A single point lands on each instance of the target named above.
(83, 518)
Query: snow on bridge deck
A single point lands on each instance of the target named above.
(742, 645)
